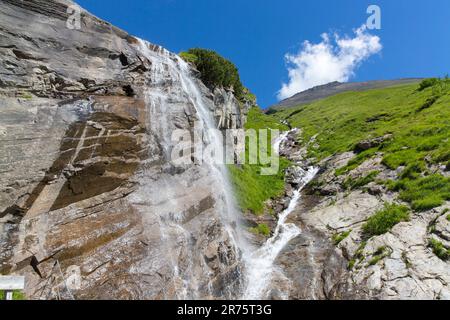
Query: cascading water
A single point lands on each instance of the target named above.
(230, 213)
(172, 87)
(260, 264)
(170, 90)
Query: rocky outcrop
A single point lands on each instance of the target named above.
(90, 205)
(310, 267)
(334, 258)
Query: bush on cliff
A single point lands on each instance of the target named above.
(427, 83)
(216, 71)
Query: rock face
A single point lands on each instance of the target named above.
(310, 267)
(90, 204)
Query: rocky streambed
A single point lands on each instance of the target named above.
(332, 258)
(298, 261)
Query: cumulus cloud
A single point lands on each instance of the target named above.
(335, 58)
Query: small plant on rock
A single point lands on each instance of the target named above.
(378, 255)
(383, 220)
(339, 237)
(262, 229)
(439, 249)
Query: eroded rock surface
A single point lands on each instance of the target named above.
(90, 205)
(333, 258)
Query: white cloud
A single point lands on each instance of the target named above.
(330, 60)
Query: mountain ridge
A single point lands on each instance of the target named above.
(333, 88)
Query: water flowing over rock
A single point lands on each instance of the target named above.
(87, 187)
(92, 205)
(298, 261)
(260, 264)
(398, 264)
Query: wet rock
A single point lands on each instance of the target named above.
(85, 184)
(396, 265)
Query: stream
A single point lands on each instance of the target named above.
(260, 263)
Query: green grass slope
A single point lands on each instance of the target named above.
(417, 119)
(253, 189)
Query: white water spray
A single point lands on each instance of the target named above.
(172, 86)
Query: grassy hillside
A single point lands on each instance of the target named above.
(415, 118)
(253, 189)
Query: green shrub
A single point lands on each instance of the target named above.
(399, 158)
(427, 203)
(358, 256)
(439, 249)
(262, 229)
(271, 111)
(427, 83)
(339, 237)
(442, 155)
(412, 171)
(383, 220)
(378, 255)
(441, 87)
(215, 70)
(425, 193)
(188, 57)
(351, 264)
(375, 260)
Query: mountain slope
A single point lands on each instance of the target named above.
(333, 88)
(382, 195)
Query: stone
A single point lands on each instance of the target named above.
(371, 143)
(86, 185)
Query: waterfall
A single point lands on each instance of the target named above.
(260, 264)
(171, 89)
(230, 213)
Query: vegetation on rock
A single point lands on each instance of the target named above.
(439, 249)
(378, 255)
(351, 183)
(383, 221)
(424, 193)
(216, 71)
(339, 237)
(262, 229)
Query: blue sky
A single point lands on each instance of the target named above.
(257, 34)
